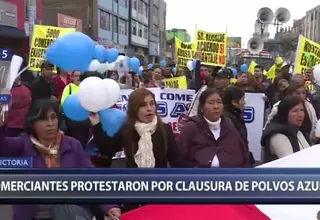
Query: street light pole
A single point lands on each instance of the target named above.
(32, 14)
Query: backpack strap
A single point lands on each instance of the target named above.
(70, 91)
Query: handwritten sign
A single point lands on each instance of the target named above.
(4, 75)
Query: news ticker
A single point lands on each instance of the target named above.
(145, 186)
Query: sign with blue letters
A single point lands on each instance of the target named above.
(248, 114)
(5, 54)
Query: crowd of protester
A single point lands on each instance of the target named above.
(212, 133)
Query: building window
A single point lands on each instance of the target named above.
(140, 6)
(115, 24)
(139, 30)
(122, 27)
(135, 4)
(134, 27)
(145, 32)
(123, 3)
(105, 20)
(155, 13)
(116, 1)
(155, 30)
(145, 10)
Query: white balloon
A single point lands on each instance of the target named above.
(189, 65)
(113, 92)
(316, 73)
(93, 66)
(112, 66)
(121, 58)
(141, 68)
(93, 94)
(103, 67)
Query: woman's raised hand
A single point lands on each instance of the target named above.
(94, 118)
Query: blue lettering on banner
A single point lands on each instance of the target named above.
(5, 54)
(176, 97)
(248, 114)
(16, 162)
(178, 109)
(5, 98)
(162, 108)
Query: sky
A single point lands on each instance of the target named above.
(235, 16)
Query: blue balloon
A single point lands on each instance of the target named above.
(134, 64)
(71, 52)
(163, 63)
(150, 66)
(174, 69)
(101, 53)
(73, 109)
(139, 72)
(194, 63)
(112, 120)
(244, 68)
(234, 72)
(112, 55)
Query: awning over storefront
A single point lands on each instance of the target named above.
(12, 32)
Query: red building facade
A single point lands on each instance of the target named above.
(22, 9)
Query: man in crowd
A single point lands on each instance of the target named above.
(43, 87)
(222, 79)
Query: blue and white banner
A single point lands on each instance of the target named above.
(254, 116)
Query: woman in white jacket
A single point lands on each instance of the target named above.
(310, 121)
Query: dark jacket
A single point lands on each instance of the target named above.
(165, 151)
(198, 146)
(276, 128)
(43, 89)
(236, 118)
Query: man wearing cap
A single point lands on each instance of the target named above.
(222, 79)
(44, 87)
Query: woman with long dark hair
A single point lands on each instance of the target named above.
(284, 135)
(147, 141)
(310, 118)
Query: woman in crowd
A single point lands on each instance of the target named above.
(248, 83)
(234, 102)
(49, 148)
(146, 79)
(209, 139)
(284, 135)
(147, 141)
(20, 103)
(157, 76)
(310, 118)
(112, 74)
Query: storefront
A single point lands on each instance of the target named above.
(10, 35)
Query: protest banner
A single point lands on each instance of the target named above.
(253, 116)
(184, 53)
(213, 47)
(176, 82)
(307, 55)
(173, 102)
(42, 37)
